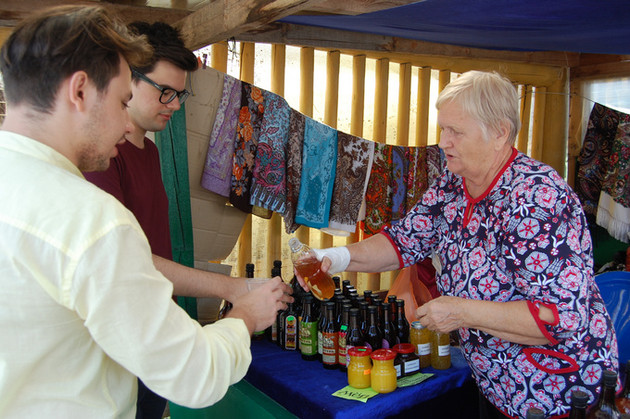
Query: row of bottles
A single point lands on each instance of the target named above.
(607, 405)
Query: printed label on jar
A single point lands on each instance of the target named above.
(424, 349)
(398, 369)
(444, 350)
(412, 366)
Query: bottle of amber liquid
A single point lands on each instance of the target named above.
(373, 336)
(330, 336)
(441, 351)
(306, 264)
(623, 401)
(605, 406)
(402, 325)
(344, 324)
(308, 330)
(579, 403)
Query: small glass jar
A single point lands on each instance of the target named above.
(421, 340)
(409, 360)
(441, 351)
(383, 371)
(360, 367)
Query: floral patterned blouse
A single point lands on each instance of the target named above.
(526, 238)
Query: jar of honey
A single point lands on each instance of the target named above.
(360, 367)
(383, 372)
(421, 340)
(441, 351)
(409, 360)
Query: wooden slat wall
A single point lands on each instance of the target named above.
(544, 107)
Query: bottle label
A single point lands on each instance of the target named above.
(319, 342)
(424, 349)
(444, 350)
(308, 338)
(330, 347)
(348, 347)
(398, 370)
(412, 366)
(343, 351)
(290, 333)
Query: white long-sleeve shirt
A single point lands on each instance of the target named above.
(83, 311)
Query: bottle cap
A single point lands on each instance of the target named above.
(383, 354)
(404, 348)
(417, 325)
(579, 398)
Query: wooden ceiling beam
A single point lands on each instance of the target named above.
(223, 19)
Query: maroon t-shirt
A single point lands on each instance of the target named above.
(134, 177)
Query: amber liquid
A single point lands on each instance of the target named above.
(320, 283)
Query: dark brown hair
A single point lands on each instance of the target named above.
(51, 45)
(167, 45)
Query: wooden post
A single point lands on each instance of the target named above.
(404, 104)
(444, 78)
(526, 112)
(219, 56)
(556, 124)
(422, 116)
(576, 112)
(540, 99)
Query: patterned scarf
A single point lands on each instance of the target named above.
(295, 143)
(378, 209)
(318, 174)
(353, 156)
(613, 212)
(217, 169)
(399, 179)
(248, 131)
(594, 159)
(269, 182)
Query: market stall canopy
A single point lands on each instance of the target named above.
(581, 26)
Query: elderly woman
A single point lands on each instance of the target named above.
(515, 259)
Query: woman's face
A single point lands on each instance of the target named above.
(468, 153)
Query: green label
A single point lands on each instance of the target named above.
(308, 338)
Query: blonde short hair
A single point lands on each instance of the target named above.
(487, 97)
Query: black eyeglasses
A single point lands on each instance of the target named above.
(168, 94)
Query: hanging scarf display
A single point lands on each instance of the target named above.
(398, 182)
(217, 170)
(318, 174)
(593, 161)
(613, 212)
(248, 131)
(295, 143)
(353, 156)
(269, 181)
(378, 199)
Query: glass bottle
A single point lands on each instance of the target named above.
(226, 306)
(337, 280)
(388, 328)
(373, 335)
(291, 329)
(402, 325)
(363, 316)
(440, 350)
(534, 413)
(280, 327)
(623, 401)
(420, 338)
(391, 299)
(354, 336)
(308, 331)
(579, 403)
(338, 303)
(360, 367)
(378, 302)
(605, 406)
(306, 264)
(345, 287)
(330, 335)
(343, 333)
(276, 270)
(383, 375)
(367, 294)
(320, 328)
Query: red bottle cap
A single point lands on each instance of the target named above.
(404, 348)
(359, 351)
(383, 354)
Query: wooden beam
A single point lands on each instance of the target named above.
(356, 7)
(223, 19)
(312, 36)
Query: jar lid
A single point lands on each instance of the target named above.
(383, 354)
(404, 348)
(417, 325)
(359, 351)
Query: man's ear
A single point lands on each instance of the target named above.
(79, 86)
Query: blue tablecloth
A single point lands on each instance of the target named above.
(305, 388)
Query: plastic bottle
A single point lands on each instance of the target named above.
(623, 401)
(330, 335)
(605, 406)
(308, 331)
(579, 403)
(306, 264)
